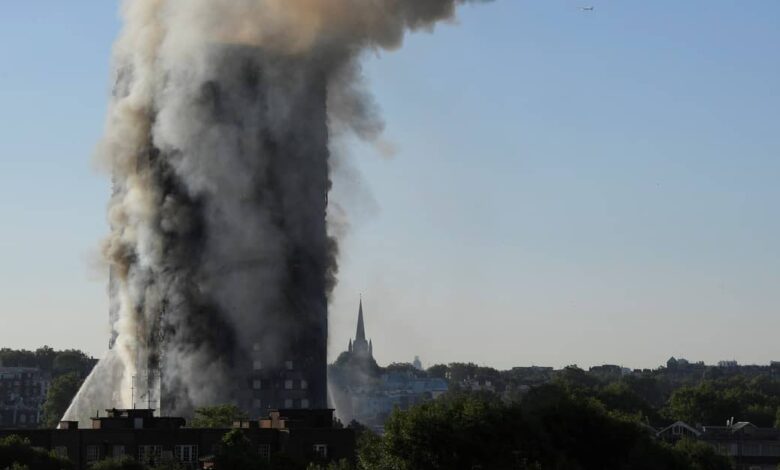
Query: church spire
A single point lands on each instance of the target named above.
(361, 329)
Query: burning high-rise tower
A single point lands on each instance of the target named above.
(247, 249)
(218, 143)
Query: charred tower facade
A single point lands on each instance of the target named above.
(248, 261)
(217, 140)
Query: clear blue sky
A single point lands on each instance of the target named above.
(570, 187)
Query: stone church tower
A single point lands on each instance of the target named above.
(360, 347)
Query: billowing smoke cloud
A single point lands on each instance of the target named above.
(218, 138)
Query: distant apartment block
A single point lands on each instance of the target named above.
(395, 390)
(22, 393)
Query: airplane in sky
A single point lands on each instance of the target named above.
(588, 8)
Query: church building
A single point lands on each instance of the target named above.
(360, 347)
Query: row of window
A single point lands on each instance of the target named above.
(289, 384)
(257, 364)
(17, 384)
(153, 454)
(20, 419)
(289, 403)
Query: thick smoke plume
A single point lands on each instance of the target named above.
(217, 138)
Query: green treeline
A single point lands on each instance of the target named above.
(48, 360)
(551, 428)
(17, 454)
(658, 397)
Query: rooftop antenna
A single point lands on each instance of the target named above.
(132, 391)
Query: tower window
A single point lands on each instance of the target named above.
(288, 403)
(257, 364)
(289, 365)
(304, 385)
(257, 384)
(305, 403)
(288, 384)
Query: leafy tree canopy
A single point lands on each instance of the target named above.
(551, 428)
(236, 453)
(48, 360)
(17, 453)
(59, 396)
(123, 463)
(218, 416)
(701, 456)
(715, 401)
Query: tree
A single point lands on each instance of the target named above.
(17, 358)
(17, 453)
(702, 404)
(618, 397)
(340, 465)
(219, 416)
(577, 380)
(44, 357)
(458, 431)
(404, 368)
(648, 388)
(168, 465)
(124, 463)
(701, 456)
(236, 453)
(59, 397)
(71, 361)
(48, 360)
(551, 428)
(371, 453)
(438, 371)
(714, 401)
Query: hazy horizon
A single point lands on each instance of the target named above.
(568, 187)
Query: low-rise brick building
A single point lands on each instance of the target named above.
(308, 435)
